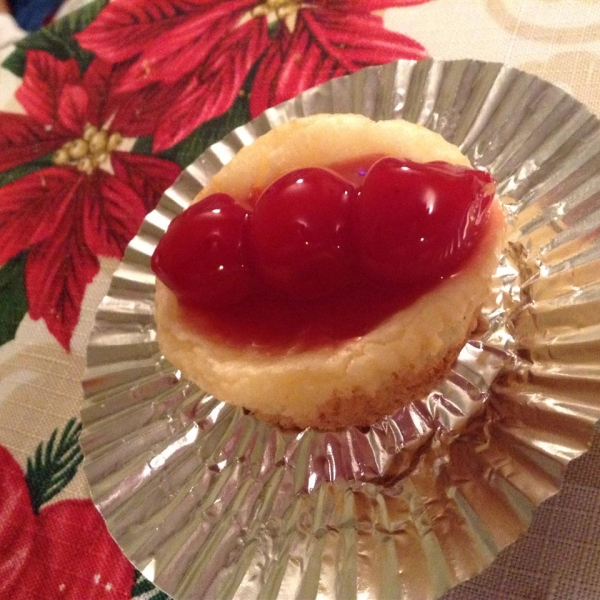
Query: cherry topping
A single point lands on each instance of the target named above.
(201, 257)
(418, 222)
(299, 233)
(315, 235)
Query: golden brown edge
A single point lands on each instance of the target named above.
(360, 410)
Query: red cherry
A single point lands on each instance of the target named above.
(300, 237)
(201, 257)
(418, 222)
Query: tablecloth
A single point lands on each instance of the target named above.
(99, 113)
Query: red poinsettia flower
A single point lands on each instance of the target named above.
(63, 552)
(91, 201)
(322, 40)
(197, 54)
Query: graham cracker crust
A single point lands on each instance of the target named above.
(359, 409)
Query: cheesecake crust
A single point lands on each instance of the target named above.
(359, 409)
(358, 381)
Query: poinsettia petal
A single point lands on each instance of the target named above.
(149, 176)
(265, 80)
(72, 107)
(17, 528)
(23, 139)
(31, 208)
(58, 271)
(299, 65)
(357, 39)
(116, 207)
(113, 213)
(325, 43)
(132, 114)
(139, 111)
(80, 558)
(143, 22)
(213, 91)
(304, 65)
(99, 82)
(154, 62)
(188, 43)
(139, 22)
(189, 109)
(44, 76)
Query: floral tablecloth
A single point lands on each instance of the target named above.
(99, 113)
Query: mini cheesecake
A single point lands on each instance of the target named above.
(368, 367)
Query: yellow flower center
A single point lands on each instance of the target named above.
(278, 10)
(89, 151)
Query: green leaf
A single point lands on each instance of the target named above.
(144, 587)
(15, 173)
(76, 21)
(15, 62)
(54, 464)
(273, 28)
(57, 39)
(143, 145)
(13, 297)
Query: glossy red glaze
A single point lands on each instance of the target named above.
(299, 234)
(328, 263)
(201, 257)
(275, 326)
(415, 222)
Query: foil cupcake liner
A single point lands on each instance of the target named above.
(209, 502)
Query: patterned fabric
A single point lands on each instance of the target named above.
(94, 132)
(93, 129)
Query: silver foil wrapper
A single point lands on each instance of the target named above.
(209, 502)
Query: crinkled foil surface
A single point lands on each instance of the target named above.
(208, 502)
